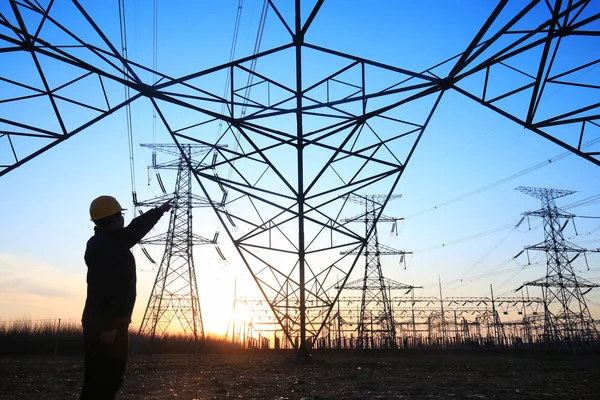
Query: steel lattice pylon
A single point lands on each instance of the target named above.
(567, 318)
(300, 143)
(175, 297)
(376, 310)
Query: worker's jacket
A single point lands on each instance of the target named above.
(111, 276)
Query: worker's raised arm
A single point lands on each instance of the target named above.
(141, 225)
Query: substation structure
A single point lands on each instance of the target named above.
(350, 126)
(419, 322)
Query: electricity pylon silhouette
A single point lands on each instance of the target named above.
(376, 310)
(567, 318)
(175, 294)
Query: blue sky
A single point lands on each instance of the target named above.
(44, 203)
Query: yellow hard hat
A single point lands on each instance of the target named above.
(104, 206)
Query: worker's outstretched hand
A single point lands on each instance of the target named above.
(108, 337)
(166, 206)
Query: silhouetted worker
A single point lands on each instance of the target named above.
(111, 292)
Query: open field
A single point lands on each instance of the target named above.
(419, 374)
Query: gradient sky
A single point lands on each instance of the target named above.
(44, 203)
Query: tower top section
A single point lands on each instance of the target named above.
(544, 194)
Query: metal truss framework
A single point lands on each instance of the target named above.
(174, 296)
(376, 311)
(567, 318)
(300, 145)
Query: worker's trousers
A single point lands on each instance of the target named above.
(104, 363)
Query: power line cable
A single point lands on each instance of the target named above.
(248, 88)
(486, 255)
(583, 202)
(236, 29)
(470, 279)
(503, 180)
(123, 35)
(154, 66)
(470, 237)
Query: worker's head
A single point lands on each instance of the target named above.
(105, 211)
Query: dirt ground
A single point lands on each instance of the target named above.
(422, 374)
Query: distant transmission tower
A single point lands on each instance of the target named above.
(175, 292)
(376, 319)
(567, 318)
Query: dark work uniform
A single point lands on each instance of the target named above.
(111, 292)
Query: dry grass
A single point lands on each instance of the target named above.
(44, 337)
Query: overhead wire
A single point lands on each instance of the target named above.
(226, 90)
(249, 80)
(130, 140)
(465, 280)
(495, 272)
(525, 171)
(247, 36)
(588, 241)
(155, 10)
(154, 80)
(236, 29)
(461, 279)
(123, 36)
(257, 43)
(486, 255)
(154, 69)
(510, 278)
(513, 225)
(583, 202)
(596, 229)
(580, 203)
(248, 88)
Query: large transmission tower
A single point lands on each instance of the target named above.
(175, 295)
(321, 125)
(376, 309)
(567, 318)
